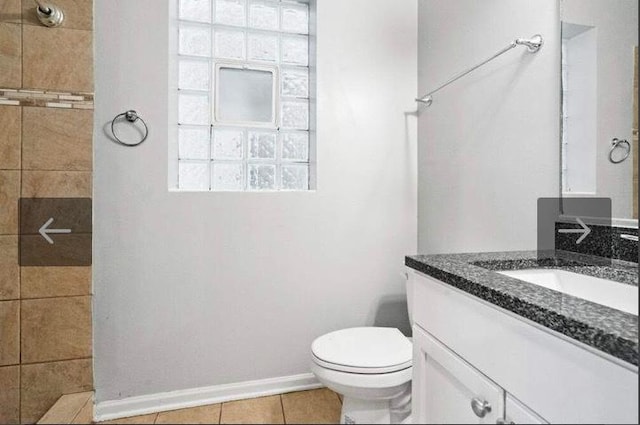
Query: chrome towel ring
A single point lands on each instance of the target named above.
(622, 144)
(132, 117)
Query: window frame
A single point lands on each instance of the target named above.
(281, 163)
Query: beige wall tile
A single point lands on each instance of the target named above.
(46, 282)
(10, 55)
(44, 383)
(56, 184)
(144, 419)
(85, 416)
(10, 134)
(55, 329)
(76, 247)
(9, 269)
(57, 139)
(9, 195)
(10, 395)
(264, 410)
(66, 408)
(78, 14)
(10, 11)
(55, 47)
(312, 407)
(9, 333)
(196, 415)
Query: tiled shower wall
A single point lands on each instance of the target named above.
(46, 125)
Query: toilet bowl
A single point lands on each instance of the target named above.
(371, 367)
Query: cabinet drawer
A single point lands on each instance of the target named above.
(446, 389)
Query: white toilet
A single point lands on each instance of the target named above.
(371, 367)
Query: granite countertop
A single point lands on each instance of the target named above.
(606, 329)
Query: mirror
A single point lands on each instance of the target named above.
(600, 102)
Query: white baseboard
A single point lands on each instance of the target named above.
(162, 402)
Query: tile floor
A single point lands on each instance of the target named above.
(306, 407)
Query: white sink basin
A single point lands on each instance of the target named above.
(601, 291)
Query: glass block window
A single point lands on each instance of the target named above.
(243, 95)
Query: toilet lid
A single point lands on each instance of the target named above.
(363, 350)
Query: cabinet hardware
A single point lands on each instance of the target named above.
(480, 407)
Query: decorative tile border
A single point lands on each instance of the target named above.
(46, 99)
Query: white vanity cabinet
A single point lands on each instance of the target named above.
(463, 394)
(452, 391)
(517, 413)
(467, 350)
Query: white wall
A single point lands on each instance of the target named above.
(196, 289)
(489, 146)
(616, 24)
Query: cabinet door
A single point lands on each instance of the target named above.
(518, 413)
(446, 388)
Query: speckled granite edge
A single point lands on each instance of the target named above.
(611, 331)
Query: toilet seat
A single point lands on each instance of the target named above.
(364, 351)
(365, 383)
